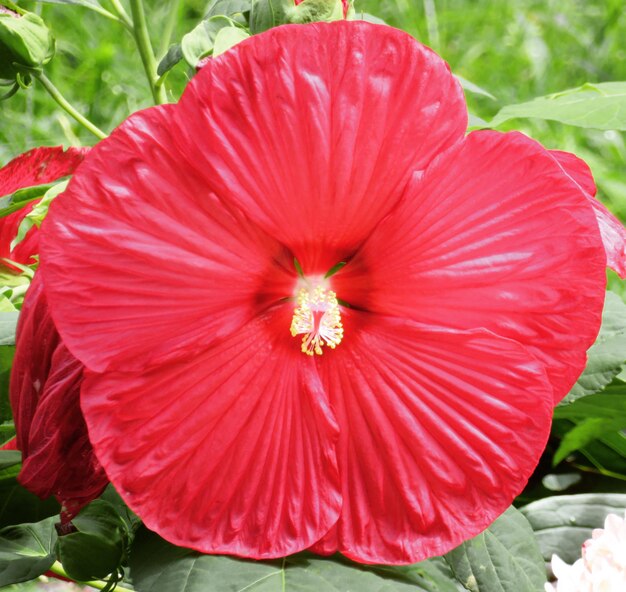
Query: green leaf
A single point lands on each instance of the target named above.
(228, 37)
(8, 324)
(157, 565)
(473, 88)
(562, 523)
(599, 106)
(199, 42)
(99, 545)
(36, 216)
(265, 14)
(503, 557)
(172, 57)
(26, 551)
(6, 362)
(227, 8)
(19, 505)
(9, 458)
(606, 357)
(608, 404)
(585, 432)
(18, 199)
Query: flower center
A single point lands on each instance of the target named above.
(318, 319)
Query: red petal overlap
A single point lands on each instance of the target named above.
(38, 166)
(494, 235)
(231, 451)
(612, 230)
(45, 396)
(314, 133)
(143, 263)
(35, 167)
(440, 430)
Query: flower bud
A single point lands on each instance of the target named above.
(25, 41)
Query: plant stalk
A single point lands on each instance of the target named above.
(142, 39)
(54, 92)
(57, 569)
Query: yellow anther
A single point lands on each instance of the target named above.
(318, 319)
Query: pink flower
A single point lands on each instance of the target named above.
(602, 567)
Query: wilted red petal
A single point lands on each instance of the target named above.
(612, 230)
(35, 167)
(230, 451)
(313, 132)
(38, 166)
(440, 430)
(143, 263)
(494, 236)
(45, 396)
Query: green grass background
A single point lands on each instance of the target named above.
(515, 49)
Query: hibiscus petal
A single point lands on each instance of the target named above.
(232, 451)
(142, 264)
(495, 236)
(317, 144)
(439, 431)
(45, 396)
(38, 166)
(612, 230)
(35, 167)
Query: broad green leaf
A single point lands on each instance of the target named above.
(228, 37)
(599, 106)
(172, 57)
(157, 565)
(562, 523)
(8, 324)
(473, 88)
(6, 361)
(99, 545)
(503, 557)
(265, 14)
(227, 7)
(609, 404)
(606, 357)
(9, 458)
(26, 551)
(199, 42)
(19, 505)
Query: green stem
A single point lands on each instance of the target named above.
(57, 569)
(142, 39)
(54, 92)
(119, 9)
(170, 24)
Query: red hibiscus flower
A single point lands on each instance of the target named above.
(45, 381)
(35, 167)
(187, 267)
(57, 457)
